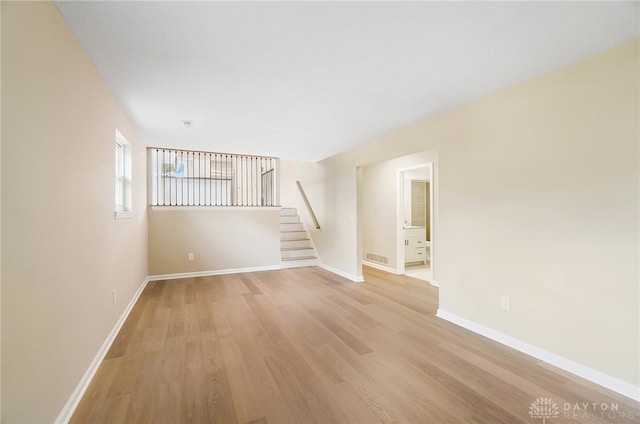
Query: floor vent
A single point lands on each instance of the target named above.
(378, 258)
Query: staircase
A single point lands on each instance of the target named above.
(296, 248)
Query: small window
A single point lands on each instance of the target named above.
(123, 177)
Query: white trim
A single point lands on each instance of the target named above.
(123, 177)
(431, 216)
(400, 240)
(213, 272)
(215, 208)
(435, 283)
(381, 267)
(348, 276)
(595, 376)
(73, 401)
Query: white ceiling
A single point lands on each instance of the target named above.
(306, 80)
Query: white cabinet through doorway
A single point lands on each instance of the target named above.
(415, 245)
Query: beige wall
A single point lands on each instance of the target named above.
(63, 253)
(538, 200)
(288, 190)
(220, 239)
(307, 174)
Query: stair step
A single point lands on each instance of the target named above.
(291, 227)
(296, 247)
(299, 258)
(300, 263)
(289, 249)
(295, 244)
(297, 253)
(292, 235)
(289, 219)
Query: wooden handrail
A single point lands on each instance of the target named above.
(308, 205)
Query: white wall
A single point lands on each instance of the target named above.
(334, 204)
(63, 253)
(538, 200)
(219, 238)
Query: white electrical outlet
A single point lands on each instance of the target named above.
(114, 296)
(505, 303)
(191, 256)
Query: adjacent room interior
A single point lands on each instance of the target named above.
(320, 212)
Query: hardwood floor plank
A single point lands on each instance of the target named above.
(384, 410)
(141, 405)
(362, 318)
(304, 345)
(219, 399)
(279, 344)
(246, 407)
(124, 380)
(127, 332)
(339, 331)
(250, 285)
(194, 406)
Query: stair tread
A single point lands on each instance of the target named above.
(294, 233)
(299, 258)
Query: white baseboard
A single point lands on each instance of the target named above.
(214, 272)
(348, 276)
(595, 376)
(73, 401)
(381, 267)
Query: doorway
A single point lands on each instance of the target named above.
(415, 221)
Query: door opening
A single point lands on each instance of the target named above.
(415, 221)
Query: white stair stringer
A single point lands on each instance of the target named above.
(296, 247)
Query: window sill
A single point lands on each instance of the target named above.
(123, 215)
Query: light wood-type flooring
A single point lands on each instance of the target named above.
(304, 345)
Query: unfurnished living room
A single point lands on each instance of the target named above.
(320, 212)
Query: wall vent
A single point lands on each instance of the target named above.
(378, 258)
